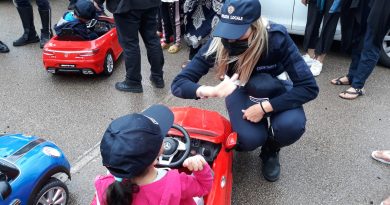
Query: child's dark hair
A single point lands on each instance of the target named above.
(121, 193)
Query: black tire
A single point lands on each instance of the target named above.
(51, 187)
(108, 66)
(384, 57)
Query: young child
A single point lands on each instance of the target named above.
(130, 148)
(83, 11)
(170, 13)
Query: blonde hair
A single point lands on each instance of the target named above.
(258, 44)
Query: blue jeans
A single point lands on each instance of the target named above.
(288, 125)
(363, 61)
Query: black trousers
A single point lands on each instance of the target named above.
(313, 40)
(42, 4)
(128, 25)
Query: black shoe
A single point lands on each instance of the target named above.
(129, 87)
(45, 37)
(157, 82)
(271, 165)
(3, 48)
(29, 35)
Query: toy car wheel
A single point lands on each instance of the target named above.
(54, 192)
(108, 64)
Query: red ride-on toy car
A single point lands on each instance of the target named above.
(197, 131)
(70, 53)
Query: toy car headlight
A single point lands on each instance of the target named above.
(51, 152)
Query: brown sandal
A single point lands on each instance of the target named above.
(337, 81)
(354, 94)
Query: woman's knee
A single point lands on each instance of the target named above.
(289, 131)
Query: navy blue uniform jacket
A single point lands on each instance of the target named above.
(282, 55)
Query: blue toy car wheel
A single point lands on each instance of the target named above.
(54, 192)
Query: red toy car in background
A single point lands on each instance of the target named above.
(72, 54)
(204, 132)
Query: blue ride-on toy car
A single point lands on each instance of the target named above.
(33, 171)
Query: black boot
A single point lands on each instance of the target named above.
(29, 35)
(270, 157)
(46, 32)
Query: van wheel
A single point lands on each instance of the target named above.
(385, 51)
(54, 192)
(108, 64)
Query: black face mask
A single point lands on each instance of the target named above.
(235, 48)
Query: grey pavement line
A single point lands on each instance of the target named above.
(94, 152)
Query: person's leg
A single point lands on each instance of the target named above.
(175, 21)
(368, 58)
(27, 17)
(288, 126)
(250, 135)
(314, 18)
(45, 13)
(153, 48)
(166, 25)
(127, 26)
(328, 30)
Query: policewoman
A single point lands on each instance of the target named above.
(253, 54)
(30, 35)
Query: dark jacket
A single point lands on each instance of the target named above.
(123, 6)
(78, 28)
(282, 55)
(379, 20)
(353, 19)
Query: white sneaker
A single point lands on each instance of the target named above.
(316, 68)
(309, 61)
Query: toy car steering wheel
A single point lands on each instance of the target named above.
(91, 23)
(172, 147)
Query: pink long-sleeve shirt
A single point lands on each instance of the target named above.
(173, 189)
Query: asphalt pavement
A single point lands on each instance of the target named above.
(330, 164)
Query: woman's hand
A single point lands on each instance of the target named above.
(194, 163)
(253, 113)
(223, 89)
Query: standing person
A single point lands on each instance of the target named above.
(25, 11)
(170, 13)
(130, 148)
(316, 47)
(245, 46)
(364, 39)
(131, 17)
(3, 48)
(199, 19)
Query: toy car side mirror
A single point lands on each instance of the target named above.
(231, 141)
(5, 190)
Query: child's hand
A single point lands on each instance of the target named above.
(194, 163)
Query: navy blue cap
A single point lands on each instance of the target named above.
(236, 17)
(132, 142)
(85, 9)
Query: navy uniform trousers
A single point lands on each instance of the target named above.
(288, 125)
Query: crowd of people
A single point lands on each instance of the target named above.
(264, 80)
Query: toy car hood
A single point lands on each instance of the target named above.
(11, 144)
